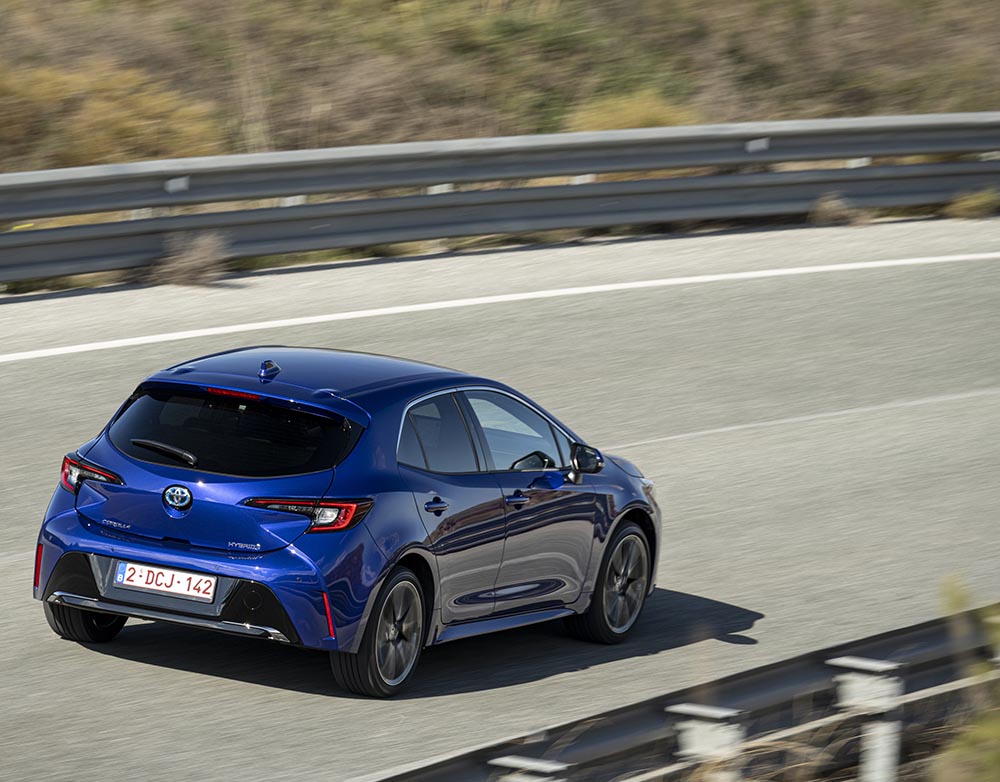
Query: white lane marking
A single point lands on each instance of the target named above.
(798, 419)
(478, 301)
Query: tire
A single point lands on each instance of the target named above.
(89, 627)
(618, 597)
(387, 657)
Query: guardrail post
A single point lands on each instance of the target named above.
(710, 734)
(870, 687)
(525, 769)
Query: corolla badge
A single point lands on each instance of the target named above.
(177, 497)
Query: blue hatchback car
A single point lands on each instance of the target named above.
(358, 504)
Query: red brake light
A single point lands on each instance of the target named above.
(326, 515)
(237, 394)
(75, 472)
(38, 564)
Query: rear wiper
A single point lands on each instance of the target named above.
(169, 450)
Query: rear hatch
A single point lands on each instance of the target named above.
(213, 449)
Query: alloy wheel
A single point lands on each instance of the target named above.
(399, 633)
(625, 583)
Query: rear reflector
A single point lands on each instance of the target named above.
(329, 615)
(38, 565)
(228, 392)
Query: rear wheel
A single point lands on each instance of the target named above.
(392, 641)
(620, 591)
(75, 624)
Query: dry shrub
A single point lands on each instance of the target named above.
(833, 209)
(191, 259)
(97, 113)
(972, 206)
(973, 756)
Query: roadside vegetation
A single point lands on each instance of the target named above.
(971, 206)
(973, 755)
(93, 81)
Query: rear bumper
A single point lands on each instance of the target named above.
(104, 606)
(277, 594)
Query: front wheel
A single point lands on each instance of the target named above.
(620, 591)
(76, 624)
(391, 644)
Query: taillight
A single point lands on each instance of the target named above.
(38, 563)
(76, 471)
(325, 515)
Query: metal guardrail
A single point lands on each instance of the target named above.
(741, 155)
(877, 678)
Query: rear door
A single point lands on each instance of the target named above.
(460, 505)
(550, 522)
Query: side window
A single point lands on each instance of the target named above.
(442, 435)
(410, 451)
(518, 438)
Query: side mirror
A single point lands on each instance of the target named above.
(584, 460)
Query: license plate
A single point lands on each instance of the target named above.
(145, 578)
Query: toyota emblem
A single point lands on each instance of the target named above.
(177, 497)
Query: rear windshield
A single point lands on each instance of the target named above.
(229, 435)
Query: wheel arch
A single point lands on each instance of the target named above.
(642, 518)
(423, 565)
(645, 518)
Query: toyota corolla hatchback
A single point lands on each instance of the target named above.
(362, 505)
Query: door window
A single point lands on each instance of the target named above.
(517, 437)
(436, 437)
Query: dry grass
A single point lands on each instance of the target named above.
(972, 206)
(974, 755)
(97, 112)
(70, 282)
(643, 109)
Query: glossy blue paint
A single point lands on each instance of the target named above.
(494, 563)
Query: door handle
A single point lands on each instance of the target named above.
(517, 499)
(437, 505)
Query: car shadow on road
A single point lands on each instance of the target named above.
(670, 620)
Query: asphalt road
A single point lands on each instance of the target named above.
(826, 446)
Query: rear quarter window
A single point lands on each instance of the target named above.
(231, 436)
